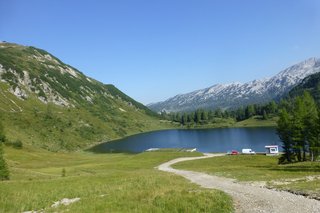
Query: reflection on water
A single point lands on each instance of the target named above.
(205, 140)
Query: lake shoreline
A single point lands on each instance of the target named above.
(221, 139)
(205, 127)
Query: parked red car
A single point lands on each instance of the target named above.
(234, 152)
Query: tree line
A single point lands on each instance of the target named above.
(203, 116)
(299, 129)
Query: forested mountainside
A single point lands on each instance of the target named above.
(310, 84)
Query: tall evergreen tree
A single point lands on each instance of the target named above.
(204, 115)
(250, 111)
(197, 117)
(184, 119)
(272, 107)
(298, 128)
(264, 115)
(240, 114)
(284, 131)
(190, 118)
(311, 123)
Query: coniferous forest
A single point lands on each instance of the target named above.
(298, 125)
(204, 116)
(298, 129)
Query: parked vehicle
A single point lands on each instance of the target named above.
(234, 152)
(272, 150)
(248, 152)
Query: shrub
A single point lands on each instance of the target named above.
(63, 172)
(15, 144)
(4, 171)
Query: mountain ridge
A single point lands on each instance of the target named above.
(50, 104)
(237, 94)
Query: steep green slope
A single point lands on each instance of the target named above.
(50, 104)
(310, 84)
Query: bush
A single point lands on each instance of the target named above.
(63, 172)
(15, 144)
(2, 138)
(2, 135)
(4, 171)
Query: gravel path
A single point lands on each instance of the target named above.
(247, 198)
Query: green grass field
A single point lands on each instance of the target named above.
(300, 177)
(104, 182)
(255, 121)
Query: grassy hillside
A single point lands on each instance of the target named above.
(104, 183)
(55, 128)
(49, 104)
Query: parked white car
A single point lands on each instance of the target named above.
(248, 152)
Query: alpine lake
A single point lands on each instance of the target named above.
(204, 140)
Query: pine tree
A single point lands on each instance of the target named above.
(240, 114)
(190, 118)
(264, 115)
(311, 123)
(178, 117)
(4, 171)
(272, 107)
(250, 111)
(184, 119)
(204, 115)
(298, 129)
(284, 131)
(197, 117)
(218, 113)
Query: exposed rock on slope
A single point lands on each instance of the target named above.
(49, 103)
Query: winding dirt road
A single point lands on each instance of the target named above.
(247, 198)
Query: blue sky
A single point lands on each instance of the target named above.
(153, 49)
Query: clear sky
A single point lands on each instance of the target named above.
(155, 49)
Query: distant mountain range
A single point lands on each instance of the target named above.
(46, 102)
(233, 95)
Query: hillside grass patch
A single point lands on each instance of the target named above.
(253, 168)
(104, 182)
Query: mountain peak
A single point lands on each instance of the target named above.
(311, 60)
(236, 94)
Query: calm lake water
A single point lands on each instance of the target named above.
(205, 140)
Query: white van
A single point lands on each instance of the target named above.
(248, 152)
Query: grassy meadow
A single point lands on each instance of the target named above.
(255, 121)
(301, 177)
(104, 182)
